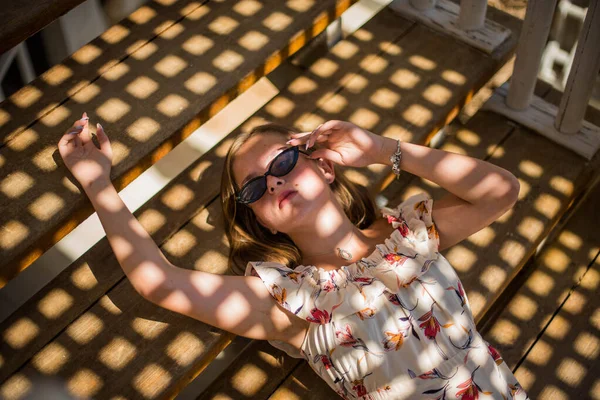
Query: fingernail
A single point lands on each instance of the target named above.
(289, 141)
(84, 115)
(84, 119)
(99, 126)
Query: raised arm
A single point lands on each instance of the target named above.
(479, 191)
(239, 304)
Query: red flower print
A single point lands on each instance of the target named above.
(360, 389)
(470, 389)
(319, 316)
(345, 337)
(430, 324)
(391, 218)
(328, 286)
(495, 354)
(395, 259)
(325, 360)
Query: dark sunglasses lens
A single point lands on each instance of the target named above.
(284, 163)
(253, 190)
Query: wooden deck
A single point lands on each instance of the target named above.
(396, 78)
(382, 77)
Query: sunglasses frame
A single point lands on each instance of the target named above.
(295, 149)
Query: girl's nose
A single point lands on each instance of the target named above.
(273, 182)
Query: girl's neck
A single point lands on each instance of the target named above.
(361, 245)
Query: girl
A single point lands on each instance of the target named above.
(368, 302)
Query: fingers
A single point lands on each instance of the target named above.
(69, 141)
(105, 146)
(86, 136)
(80, 123)
(310, 138)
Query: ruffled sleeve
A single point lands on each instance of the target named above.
(412, 247)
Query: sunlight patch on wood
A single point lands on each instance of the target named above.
(55, 303)
(12, 233)
(247, 8)
(185, 348)
(117, 353)
(23, 141)
(152, 380)
(277, 21)
(85, 328)
(57, 75)
(46, 206)
(85, 383)
(148, 329)
(51, 358)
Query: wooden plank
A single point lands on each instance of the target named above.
(255, 374)
(564, 362)
(151, 111)
(165, 216)
(546, 284)
(22, 18)
(74, 77)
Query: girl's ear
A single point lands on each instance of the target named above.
(326, 167)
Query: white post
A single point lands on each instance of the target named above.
(582, 75)
(423, 5)
(534, 33)
(472, 14)
(25, 65)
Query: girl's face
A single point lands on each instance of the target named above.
(309, 180)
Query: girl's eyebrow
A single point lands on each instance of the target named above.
(251, 176)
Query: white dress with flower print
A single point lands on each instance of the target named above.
(394, 325)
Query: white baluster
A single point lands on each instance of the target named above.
(472, 14)
(534, 34)
(582, 75)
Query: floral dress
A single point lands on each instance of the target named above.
(394, 325)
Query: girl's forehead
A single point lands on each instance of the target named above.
(255, 154)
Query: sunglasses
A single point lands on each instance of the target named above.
(281, 165)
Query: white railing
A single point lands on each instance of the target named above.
(564, 125)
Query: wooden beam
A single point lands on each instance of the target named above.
(20, 19)
(540, 117)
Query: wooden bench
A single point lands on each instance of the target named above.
(393, 76)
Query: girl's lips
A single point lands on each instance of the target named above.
(287, 198)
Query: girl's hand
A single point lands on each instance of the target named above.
(343, 143)
(87, 163)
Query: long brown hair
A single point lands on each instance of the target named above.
(250, 241)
